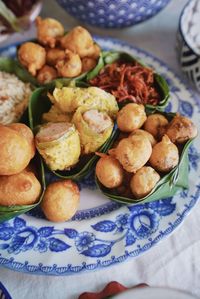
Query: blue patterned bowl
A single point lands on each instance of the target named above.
(112, 13)
(189, 41)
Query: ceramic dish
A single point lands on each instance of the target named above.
(154, 293)
(113, 13)
(3, 292)
(189, 41)
(103, 233)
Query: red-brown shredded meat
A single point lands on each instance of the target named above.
(128, 81)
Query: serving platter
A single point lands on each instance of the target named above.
(103, 233)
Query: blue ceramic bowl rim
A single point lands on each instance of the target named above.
(181, 31)
(5, 292)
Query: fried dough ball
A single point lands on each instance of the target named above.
(32, 56)
(26, 132)
(133, 152)
(131, 117)
(164, 155)
(95, 51)
(46, 74)
(61, 200)
(144, 181)
(53, 55)
(88, 64)
(48, 30)
(79, 41)
(69, 67)
(19, 189)
(15, 153)
(146, 134)
(181, 129)
(155, 124)
(109, 171)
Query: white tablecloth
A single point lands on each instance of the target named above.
(175, 261)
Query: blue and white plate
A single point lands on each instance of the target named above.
(3, 292)
(104, 233)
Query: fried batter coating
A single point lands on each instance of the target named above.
(164, 155)
(79, 41)
(15, 153)
(46, 74)
(131, 117)
(88, 64)
(69, 67)
(56, 115)
(32, 56)
(146, 134)
(25, 132)
(19, 189)
(53, 55)
(48, 30)
(109, 171)
(95, 51)
(61, 200)
(155, 124)
(133, 152)
(144, 181)
(181, 129)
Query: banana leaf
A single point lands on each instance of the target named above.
(8, 212)
(161, 85)
(39, 104)
(169, 184)
(12, 66)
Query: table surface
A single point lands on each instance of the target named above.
(175, 261)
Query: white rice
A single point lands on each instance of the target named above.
(14, 95)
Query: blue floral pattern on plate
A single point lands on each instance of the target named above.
(102, 232)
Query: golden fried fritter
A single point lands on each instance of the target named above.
(133, 152)
(131, 117)
(79, 41)
(146, 134)
(15, 153)
(143, 181)
(70, 66)
(164, 155)
(48, 30)
(46, 74)
(181, 129)
(19, 189)
(88, 64)
(155, 124)
(61, 200)
(26, 132)
(54, 55)
(32, 56)
(109, 171)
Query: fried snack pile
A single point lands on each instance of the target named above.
(18, 183)
(56, 54)
(148, 148)
(79, 122)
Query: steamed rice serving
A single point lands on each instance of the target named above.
(14, 95)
